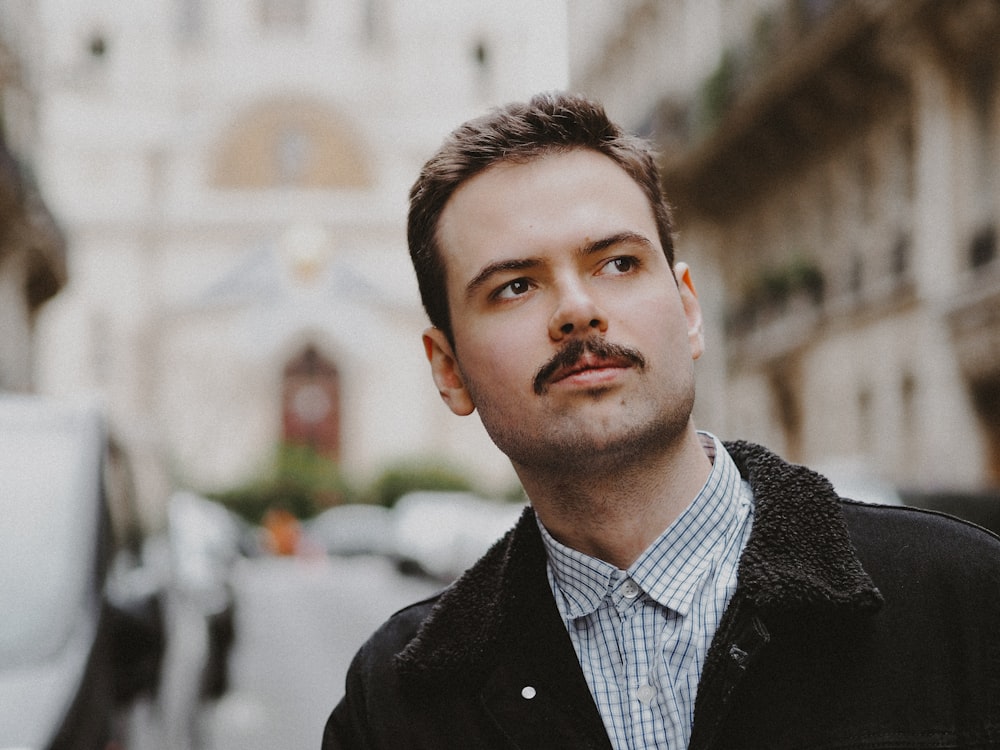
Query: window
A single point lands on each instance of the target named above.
(294, 152)
(986, 397)
(908, 417)
(482, 59)
(866, 186)
(481, 54)
(284, 14)
(190, 19)
(901, 257)
(908, 157)
(866, 420)
(983, 249)
(785, 381)
(373, 21)
(98, 45)
(856, 276)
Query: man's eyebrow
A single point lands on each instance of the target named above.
(619, 238)
(521, 264)
(501, 266)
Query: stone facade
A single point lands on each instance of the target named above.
(836, 175)
(232, 177)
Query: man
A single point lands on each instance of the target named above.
(663, 589)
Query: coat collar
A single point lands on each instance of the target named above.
(800, 553)
(488, 609)
(799, 556)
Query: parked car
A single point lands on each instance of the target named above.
(204, 541)
(70, 657)
(441, 534)
(353, 529)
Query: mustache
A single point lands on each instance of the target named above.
(570, 354)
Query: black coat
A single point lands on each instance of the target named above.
(852, 626)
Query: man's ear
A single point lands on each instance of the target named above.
(447, 376)
(692, 309)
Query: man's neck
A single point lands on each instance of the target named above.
(614, 514)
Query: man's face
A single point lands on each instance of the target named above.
(571, 336)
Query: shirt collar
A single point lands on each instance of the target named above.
(670, 570)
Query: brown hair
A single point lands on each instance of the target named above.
(518, 132)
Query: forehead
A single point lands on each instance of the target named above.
(557, 201)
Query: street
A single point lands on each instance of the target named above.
(299, 621)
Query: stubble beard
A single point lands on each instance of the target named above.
(575, 447)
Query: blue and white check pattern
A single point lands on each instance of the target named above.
(642, 634)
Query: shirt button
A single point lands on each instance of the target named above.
(645, 694)
(630, 590)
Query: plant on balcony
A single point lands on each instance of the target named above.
(716, 94)
(774, 290)
(805, 277)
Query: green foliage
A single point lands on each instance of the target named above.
(805, 275)
(301, 482)
(321, 475)
(514, 494)
(305, 483)
(769, 292)
(413, 475)
(775, 286)
(717, 93)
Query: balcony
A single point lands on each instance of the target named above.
(778, 313)
(804, 82)
(974, 321)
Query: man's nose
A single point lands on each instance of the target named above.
(577, 312)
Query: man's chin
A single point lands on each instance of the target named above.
(585, 450)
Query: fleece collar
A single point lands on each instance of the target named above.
(799, 557)
(799, 554)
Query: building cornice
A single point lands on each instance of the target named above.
(824, 84)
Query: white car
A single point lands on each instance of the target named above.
(444, 533)
(69, 657)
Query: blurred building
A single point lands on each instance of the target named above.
(835, 167)
(32, 250)
(232, 177)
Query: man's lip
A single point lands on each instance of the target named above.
(586, 364)
(588, 361)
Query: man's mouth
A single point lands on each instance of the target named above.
(586, 355)
(586, 364)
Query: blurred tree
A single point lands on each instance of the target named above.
(302, 482)
(413, 475)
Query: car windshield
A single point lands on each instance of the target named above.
(49, 493)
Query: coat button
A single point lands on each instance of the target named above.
(528, 692)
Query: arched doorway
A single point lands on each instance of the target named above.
(311, 403)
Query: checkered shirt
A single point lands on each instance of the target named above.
(642, 634)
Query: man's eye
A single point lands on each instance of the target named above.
(623, 264)
(514, 288)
